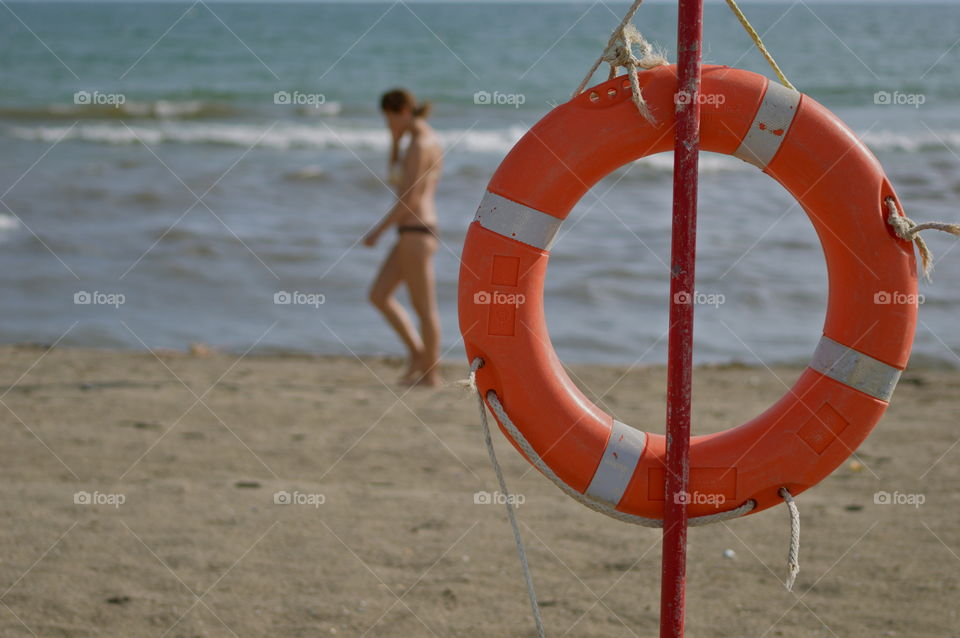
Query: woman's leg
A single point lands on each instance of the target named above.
(416, 260)
(381, 296)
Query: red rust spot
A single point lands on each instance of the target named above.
(763, 127)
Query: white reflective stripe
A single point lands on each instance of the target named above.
(516, 221)
(770, 126)
(855, 369)
(618, 463)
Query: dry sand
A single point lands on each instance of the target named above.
(197, 446)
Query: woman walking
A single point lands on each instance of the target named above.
(414, 214)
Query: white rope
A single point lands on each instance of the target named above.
(599, 506)
(619, 53)
(793, 554)
(909, 230)
(521, 551)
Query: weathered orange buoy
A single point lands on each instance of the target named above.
(837, 400)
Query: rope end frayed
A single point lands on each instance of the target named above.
(791, 578)
(793, 554)
(470, 383)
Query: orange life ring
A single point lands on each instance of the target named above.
(837, 400)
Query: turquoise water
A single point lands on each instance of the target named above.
(102, 195)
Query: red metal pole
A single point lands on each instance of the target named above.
(680, 365)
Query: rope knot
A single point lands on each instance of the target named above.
(909, 230)
(619, 53)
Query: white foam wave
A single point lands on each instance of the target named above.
(911, 142)
(166, 108)
(308, 173)
(8, 222)
(325, 109)
(286, 135)
(709, 163)
(322, 136)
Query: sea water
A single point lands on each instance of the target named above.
(214, 167)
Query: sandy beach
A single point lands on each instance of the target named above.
(140, 500)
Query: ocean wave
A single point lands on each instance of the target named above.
(912, 142)
(158, 110)
(494, 142)
(709, 163)
(323, 136)
(310, 173)
(293, 135)
(325, 109)
(284, 135)
(8, 222)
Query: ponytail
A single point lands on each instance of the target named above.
(423, 109)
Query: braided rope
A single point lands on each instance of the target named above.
(909, 230)
(793, 554)
(759, 43)
(511, 514)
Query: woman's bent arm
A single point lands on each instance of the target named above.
(407, 201)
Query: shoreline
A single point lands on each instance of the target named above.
(201, 350)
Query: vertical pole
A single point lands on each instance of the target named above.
(679, 368)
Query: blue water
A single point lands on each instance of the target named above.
(104, 197)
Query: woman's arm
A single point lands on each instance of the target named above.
(394, 170)
(406, 199)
